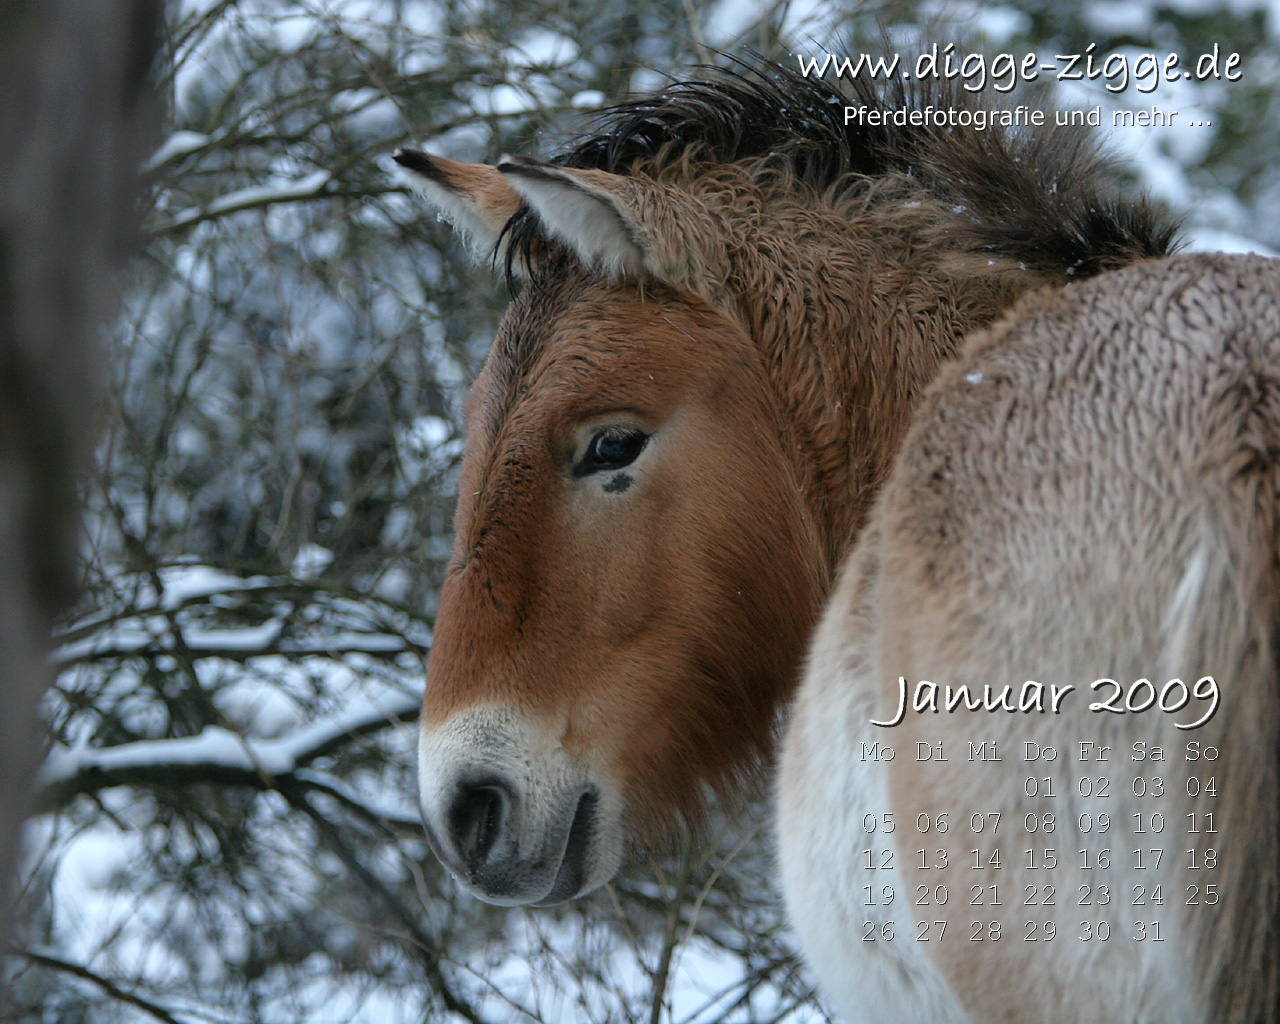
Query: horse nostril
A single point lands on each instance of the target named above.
(477, 817)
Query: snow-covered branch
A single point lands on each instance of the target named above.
(312, 186)
(215, 755)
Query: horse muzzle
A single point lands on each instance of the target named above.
(514, 817)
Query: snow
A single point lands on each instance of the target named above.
(396, 583)
(704, 983)
(213, 746)
(293, 32)
(808, 18)
(176, 146)
(588, 99)
(91, 863)
(303, 188)
(728, 20)
(380, 119)
(1125, 17)
(184, 583)
(354, 99)
(243, 638)
(1000, 24)
(427, 447)
(1207, 239)
(428, 432)
(541, 48)
(1194, 7)
(258, 706)
(310, 561)
(503, 100)
(309, 187)
(189, 441)
(217, 747)
(651, 79)
(84, 871)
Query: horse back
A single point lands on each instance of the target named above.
(1088, 493)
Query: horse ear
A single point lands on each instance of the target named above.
(587, 210)
(474, 198)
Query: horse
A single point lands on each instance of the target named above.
(729, 303)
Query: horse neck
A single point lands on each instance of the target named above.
(850, 332)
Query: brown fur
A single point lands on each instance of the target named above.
(553, 609)
(481, 187)
(792, 313)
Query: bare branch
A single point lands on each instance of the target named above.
(110, 988)
(452, 1000)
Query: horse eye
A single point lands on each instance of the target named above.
(611, 449)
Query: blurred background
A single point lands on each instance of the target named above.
(226, 827)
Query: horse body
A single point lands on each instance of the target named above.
(729, 310)
(1088, 491)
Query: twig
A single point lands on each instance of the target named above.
(110, 988)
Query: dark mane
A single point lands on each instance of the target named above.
(1044, 196)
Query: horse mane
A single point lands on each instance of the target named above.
(1047, 197)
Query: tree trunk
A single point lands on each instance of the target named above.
(76, 120)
